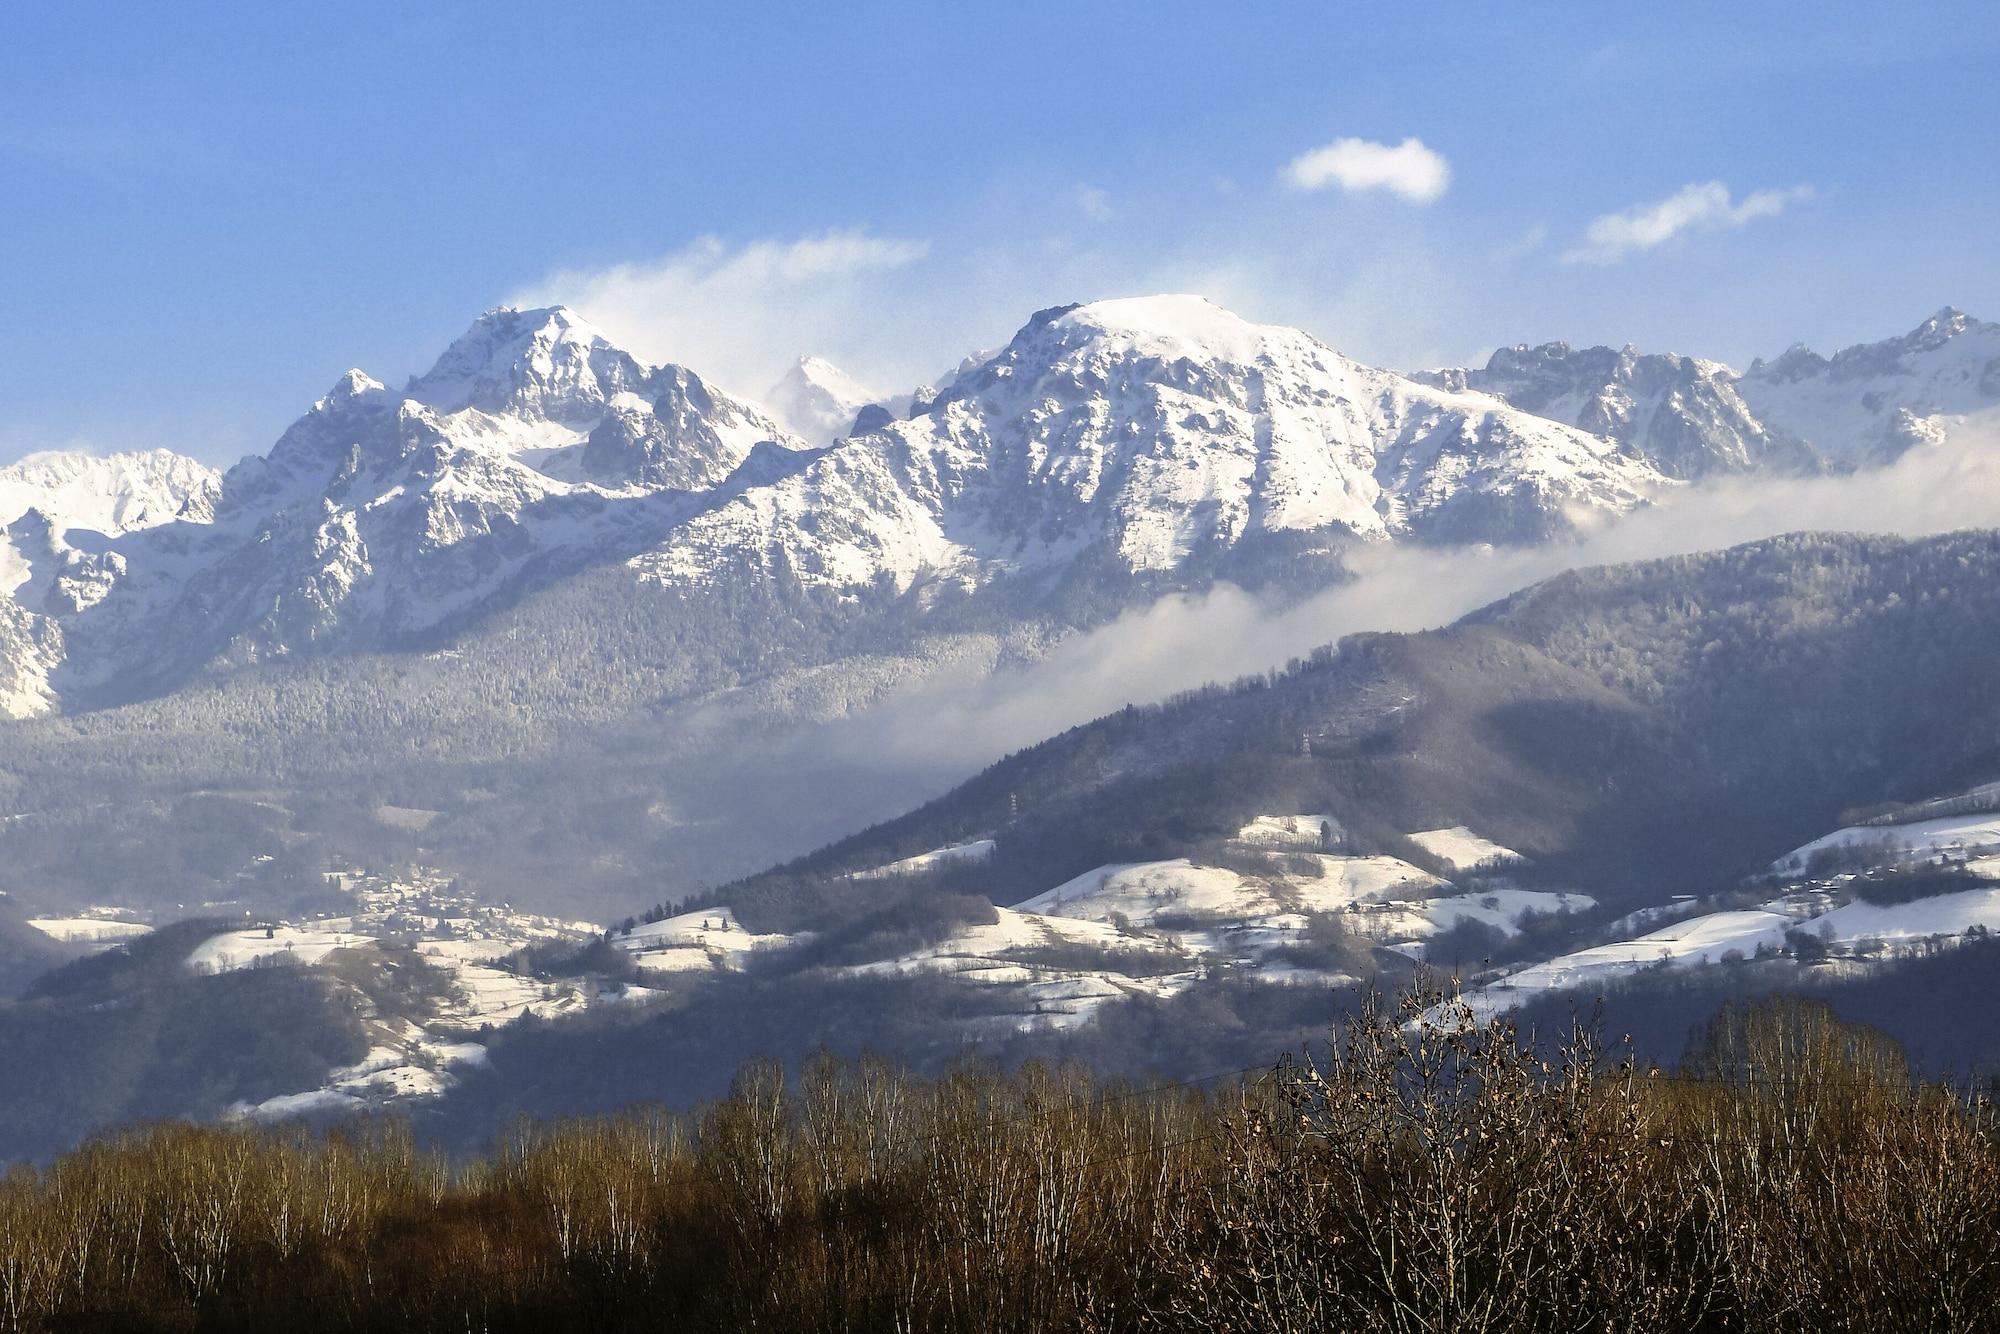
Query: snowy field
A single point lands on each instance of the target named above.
(980, 850)
(263, 945)
(97, 931)
(695, 942)
(1961, 836)
(1840, 926)
(1461, 849)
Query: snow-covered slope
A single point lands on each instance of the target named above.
(532, 448)
(1153, 928)
(110, 493)
(1857, 895)
(1461, 849)
(1868, 403)
(1682, 414)
(1152, 431)
(1950, 836)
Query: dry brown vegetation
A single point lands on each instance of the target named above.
(1427, 1173)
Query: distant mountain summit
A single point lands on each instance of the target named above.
(819, 400)
(1682, 414)
(534, 447)
(108, 493)
(1799, 412)
(545, 364)
(1870, 402)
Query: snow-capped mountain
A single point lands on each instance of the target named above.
(1682, 414)
(1868, 403)
(1152, 431)
(1691, 418)
(110, 493)
(532, 448)
(1156, 430)
(1137, 444)
(818, 400)
(49, 501)
(47, 495)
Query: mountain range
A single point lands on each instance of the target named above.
(1135, 445)
(555, 627)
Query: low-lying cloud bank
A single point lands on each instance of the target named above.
(966, 721)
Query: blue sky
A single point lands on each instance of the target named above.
(208, 211)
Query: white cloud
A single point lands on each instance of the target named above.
(1409, 169)
(1703, 206)
(736, 313)
(1095, 203)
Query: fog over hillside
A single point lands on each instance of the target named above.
(952, 726)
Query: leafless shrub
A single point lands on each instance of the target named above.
(1429, 1172)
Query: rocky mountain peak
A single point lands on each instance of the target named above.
(1868, 403)
(355, 384)
(542, 364)
(818, 400)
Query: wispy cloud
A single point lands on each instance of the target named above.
(1094, 203)
(1527, 243)
(1409, 169)
(1703, 206)
(737, 312)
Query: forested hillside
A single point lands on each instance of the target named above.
(1641, 730)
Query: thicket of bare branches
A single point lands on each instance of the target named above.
(1427, 1173)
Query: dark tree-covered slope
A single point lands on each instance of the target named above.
(1647, 729)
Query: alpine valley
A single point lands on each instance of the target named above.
(468, 750)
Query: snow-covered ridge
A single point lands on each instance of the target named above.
(1693, 417)
(1682, 414)
(958, 854)
(1868, 403)
(1154, 429)
(1173, 326)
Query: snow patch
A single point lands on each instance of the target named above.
(1461, 849)
(979, 850)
